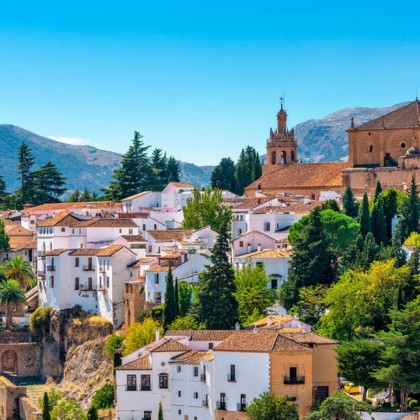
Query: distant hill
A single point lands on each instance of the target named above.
(83, 166)
(325, 140)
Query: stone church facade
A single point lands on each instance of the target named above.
(384, 149)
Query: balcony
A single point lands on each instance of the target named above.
(41, 254)
(131, 387)
(294, 380)
(41, 273)
(221, 405)
(205, 403)
(231, 377)
(241, 406)
(88, 268)
(203, 377)
(50, 268)
(102, 269)
(145, 388)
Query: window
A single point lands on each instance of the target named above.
(179, 393)
(144, 227)
(131, 383)
(77, 283)
(107, 282)
(107, 263)
(76, 262)
(195, 371)
(155, 227)
(178, 369)
(239, 231)
(147, 415)
(242, 217)
(63, 229)
(266, 226)
(130, 231)
(320, 393)
(241, 244)
(156, 278)
(179, 412)
(90, 283)
(370, 148)
(120, 230)
(52, 282)
(145, 383)
(72, 231)
(274, 283)
(195, 395)
(259, 264)
(210, 346)
(293, 373)
(164, 381)
(402, 145)
(232, 374)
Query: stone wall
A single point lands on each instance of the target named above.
(28, 410)
(9, 399)
(22, 359)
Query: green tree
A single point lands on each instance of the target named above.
(401, 351)
(68, 410)
(160, 412)
(47, 184)
(216, 305)
(338, 407)
(159, 176)
(12, 297)
(20, 270)
(184, 298)
(310, 306)
(39, 322)
(140, 334)
(223, 175)
(309, 267)
(364, 216)
(187, 322)
(134, 174)
(104, 397)
(205, 208)
(169, 307)
(358, 360)
(268, 407)
(378, 224)
(173, 170)
(350, 204)
(3, 193)
(378, 191)
(247, 169)
(4, 237)
(92, 413)
(74, 196)
(113, 343)
(25, 162)
(252, 293)
(389, 200)
(46, 408)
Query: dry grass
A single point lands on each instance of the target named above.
(97, 320)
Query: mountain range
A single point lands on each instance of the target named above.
(321, 140)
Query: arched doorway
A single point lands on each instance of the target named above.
(9, 362)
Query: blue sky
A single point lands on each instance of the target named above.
(200, 79)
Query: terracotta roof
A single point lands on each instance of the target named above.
(17, 230)
(132, 197)
(142, 363)
(168, 346)
(308, 338)
(192, 357)
(248, 341)
(171, 256)
(63, 219)
(157, 269)
(250, 203)
(19, 245)
(182, 184)
(168, 235)
(55, 252)
(407, 116)
(133, 238)
(201, 335)
(76, 205)
(112, 223)
(267, 254)
(100, 252)
(285, 344)
(276, 321)
(141, 261)
(303, 175)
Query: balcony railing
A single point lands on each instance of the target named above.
(131, 387)
(203, 377)
(102, 269)
(88, 268)
(205, 403)
(41, 273)
(231, 377)
(145, 388)
(221, 405)
(50, 268)
(241, 406)
(294, 380)
(41, 254)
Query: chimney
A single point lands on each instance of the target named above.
(237, 326)
(259, 247)
(157, 334)
(270, 320)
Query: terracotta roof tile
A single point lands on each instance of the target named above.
(63, 219)
(75, 206)
(250, 203)
(112, 223)
(201, 335)
(303, 175)
(248, 341)
(267, 254)
(100, 252)
(157, 269)
(132, 197)
(182, 185)
(168, 235)
(192, 357)
(407, 116)
(142, 363)
(133, 238)
(308, 338)
(286, 344)
(169, 346)
(55, 252)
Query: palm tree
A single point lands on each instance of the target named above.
(11, 296)
(19, 269)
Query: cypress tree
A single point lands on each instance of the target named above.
(160, 412)
(216, 305)
(388, 199)
(4, 237)
(370, 251)
(92, 414)
(350, 205)
(173, 170)
(46, 408)
(410, 213)
(159, 176)
(25, 162)
(378, 223)
(169, 309)
(378, 190)
(364, 217)
(176, 295)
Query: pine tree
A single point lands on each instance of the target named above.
(159, 176)
(169, 308)
(47, 184)
(364, 217)
(378, 191)
(46, 408)
(74, 196)
(172, 170)
(4, 237)
(3, 192)
(378, 224)
(25, 162)
(223, 175)
(247, 169)
(176, 296)
(350, 205)
(216, 305)
(388, 199)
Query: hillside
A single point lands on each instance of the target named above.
(325, 140)
(94, 167)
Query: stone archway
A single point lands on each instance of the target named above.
(9, 362)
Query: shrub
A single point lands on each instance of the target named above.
(77, 311)
(40, 320)
(98, 320)
(140, 334)
(413, 403)
(186, 322)
(157, 313)
(112, 344)
(104, 397)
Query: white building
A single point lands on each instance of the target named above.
(90, 277)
